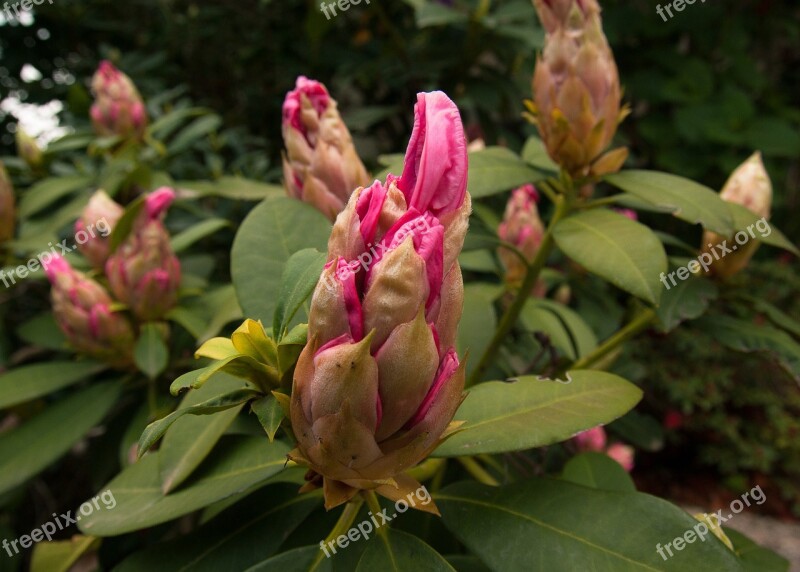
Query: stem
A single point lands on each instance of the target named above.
(426, 470)
(634, 327)
(342, 525)
(513, 311)
(375, 508)
(480, 474)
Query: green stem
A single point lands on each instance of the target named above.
(512, 313)
(341, 527)
(634, 327)
(375, 508)
(480, 474)
(426, 470)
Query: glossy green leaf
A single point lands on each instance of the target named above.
(60, 556)
(501, 417)
(197, 232)
(46, 192)
(150, 352)
(478, 320)
(269, 413)
(191, 438)
(271, 233)
(43, 332)
(31, 448)
(563, 526)
(598, 471)
(197, 129)
(496, 170)
(300, 277)
(744, 218)
(398, 552)
(235, 188)
(745, 336)
(756, 558)
(303, 559)
(221, 402)
(28, 382)
(241, 536)
(624, 252)
(687, 300)
(692, 202)
(568, 332)
(239, 464)
(290, 347)
(534, 153)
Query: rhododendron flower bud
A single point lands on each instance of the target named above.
(321, 165)
(82, 309)
(750, 186)
(577, 94)
(8, 212)
(118, 108)
(377, 387)
(522, 228)
(622, 454)
(591, 440)
(28, 149)
(144, 272)
(93, 229)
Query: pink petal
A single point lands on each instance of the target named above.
(447, 368)
(158, 202)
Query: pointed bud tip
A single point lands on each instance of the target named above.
(159, 201)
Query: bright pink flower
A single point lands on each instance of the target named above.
(118, 108)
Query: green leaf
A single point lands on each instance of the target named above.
(303, 559)
(692, 202)
(239, 537)
(46, 192)
(400, 551)
(290, 347)
(431, 14)
(496, 170)
(165, 125)
(150, 353)
(688, 300)
(502, 417)
(643, 431)
(563, 526)
(197, 232)
(197, 129)
(746, 336)
(190, 439)
(598, 471)
(222, 402)
(60, 556)
(28, 382)
(756, 558)
(478, 320)
(124, 225)
(241, 464)
(300, 277)
(777, 316)
(624, 252)
(271, 233)
(235, 188)
(744, 217)
(580, 337)
(29, 449)
(269, 413)
(43, 332)
(534, 153)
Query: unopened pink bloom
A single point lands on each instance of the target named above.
(118, 108)
(591, 440)
(622, 454)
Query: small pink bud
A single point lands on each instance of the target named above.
(8, 211)
(321, 166)
(622, 454)
(118, 108)
(93, 229)
(591, 440)
(81, 307)
(523, 228)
